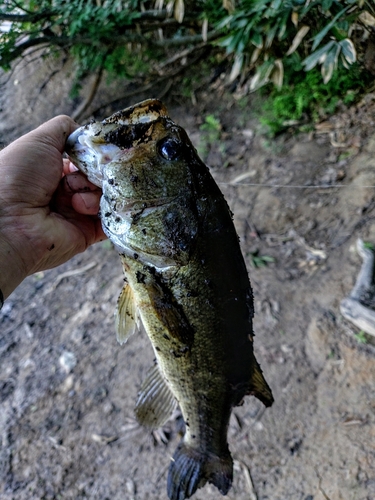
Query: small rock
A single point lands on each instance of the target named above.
(67, 361)
(258, 426)
(68, 383)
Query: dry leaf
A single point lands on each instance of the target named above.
(295, 18)
(236, 68)
(179, 10)
(229, 5)
(204, 29)
(367, 18)
(277, 75)
(302, 32)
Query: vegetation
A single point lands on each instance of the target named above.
(257, 260)
(305, 98)
(262, 41)
(361, 337)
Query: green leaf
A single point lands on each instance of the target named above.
(276, 4)
(271, 35)
(312, 60)
(262, 76)
(256, 39)
(348, 50)
(319, 37)
(330, 62)
(326, 5)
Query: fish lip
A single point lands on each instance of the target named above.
(83, 155)
(72, 140)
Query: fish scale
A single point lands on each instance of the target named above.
(186, 281)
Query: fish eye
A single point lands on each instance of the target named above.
(169, 148)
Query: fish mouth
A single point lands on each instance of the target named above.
(90, 153)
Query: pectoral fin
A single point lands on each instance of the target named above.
(126, 315)
(169, 312)
(155, 402)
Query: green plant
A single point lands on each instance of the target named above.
(212, 127)
(276, 41)
(369, 245)
(361, 337)
(258, 34)
(211, 133)
(258, 261)
(121, 37)
(263, 34)
(308, 97)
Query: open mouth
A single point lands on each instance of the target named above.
(90, 153)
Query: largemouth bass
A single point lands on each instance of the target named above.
(186, 281)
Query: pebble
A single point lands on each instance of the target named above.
(67, 361)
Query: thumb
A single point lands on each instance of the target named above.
(54, 132)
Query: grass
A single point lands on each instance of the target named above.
(258, 261)
(305, 98)
(361, 337)
(211, 133)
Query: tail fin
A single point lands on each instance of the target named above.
(190, 469)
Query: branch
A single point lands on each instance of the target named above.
(185, 40)
(78, 112)
(27, 18)
(20, 49)
(152, 83)
(47, 14)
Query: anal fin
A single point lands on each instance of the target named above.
(155, 402)
(259, 387)
(126, 315)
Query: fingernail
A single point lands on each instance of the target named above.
(91, 201)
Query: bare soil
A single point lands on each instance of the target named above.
(67, 389)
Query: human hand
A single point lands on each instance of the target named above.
(48, 213)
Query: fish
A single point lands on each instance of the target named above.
(186, 282)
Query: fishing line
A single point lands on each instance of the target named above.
(294, 186)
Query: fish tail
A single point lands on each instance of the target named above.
(190, 469)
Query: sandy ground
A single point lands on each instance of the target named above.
(67, 389)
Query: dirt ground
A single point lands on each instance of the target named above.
(67, 389)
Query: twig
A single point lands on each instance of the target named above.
(320, 486)
(248, 480)
(68, 274)
(181, 55)
(166, 89)
(149, 85)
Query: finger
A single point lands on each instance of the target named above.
(68, 167)
(86, 203)
(78, 182)
(72, 167)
